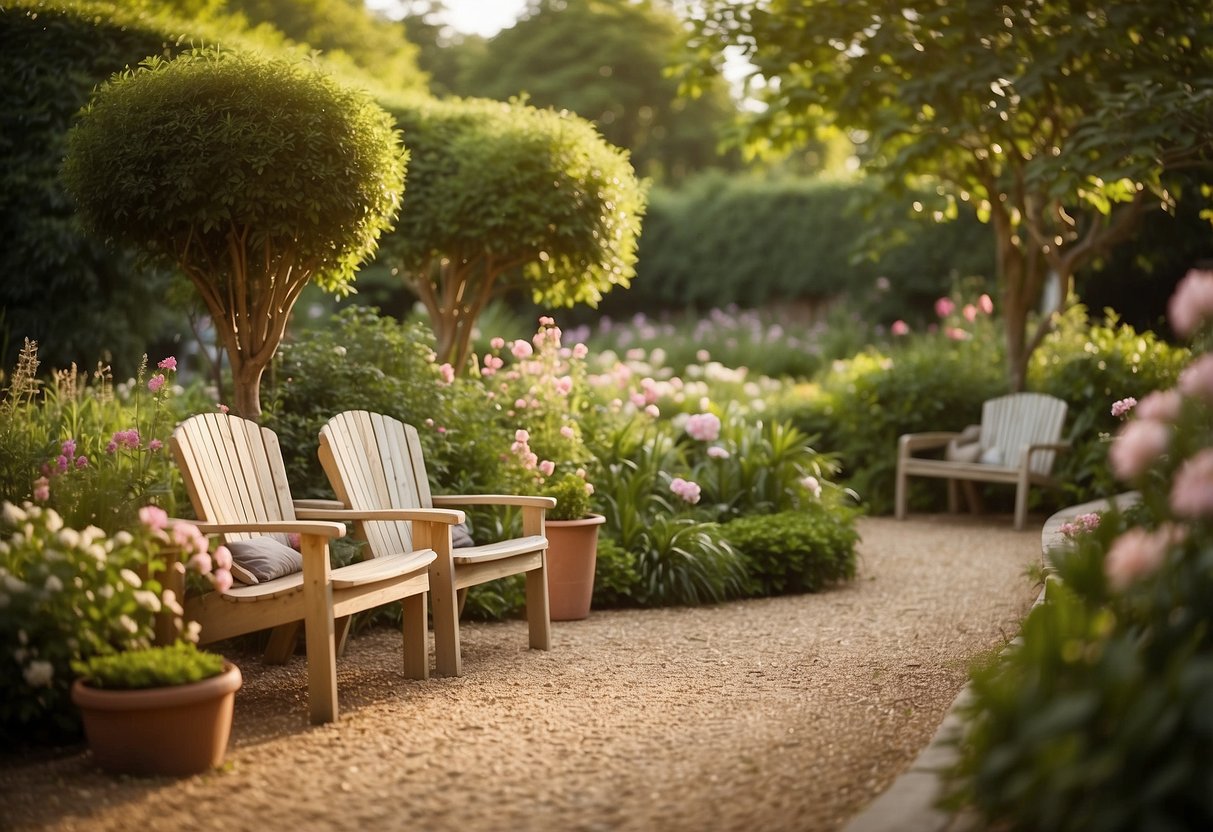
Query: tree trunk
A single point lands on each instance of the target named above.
(246, 384)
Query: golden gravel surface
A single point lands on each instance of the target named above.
(788, 713)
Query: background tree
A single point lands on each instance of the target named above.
(606, 61)
(506, 195)
(1062, 121)
(443, 53)
(254, 176)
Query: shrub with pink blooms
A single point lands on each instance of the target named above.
(1098, 717)
(67, 595)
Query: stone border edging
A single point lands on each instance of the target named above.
(909, 804)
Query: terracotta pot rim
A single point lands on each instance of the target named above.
(588, 520)
(109, 699)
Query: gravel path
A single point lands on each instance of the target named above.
(777, 714)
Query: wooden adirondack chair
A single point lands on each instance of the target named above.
(236, 480)
(375, 462)
(1017, 442)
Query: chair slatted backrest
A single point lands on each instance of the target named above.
(375, 462)
(1011, 423)
(233, 471)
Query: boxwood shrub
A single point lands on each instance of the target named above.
(796, 551)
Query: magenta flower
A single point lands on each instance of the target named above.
(944, 307)
(68, 448)
(1120, 408)
(81, 461)
(200, 562)
(169, 363)
(900, 328)
(155, 445)
(1192, 303)
(61, 463)
(1137, 445)
(155, 382)
(1192, 488)
(111, 447)
(704, 427)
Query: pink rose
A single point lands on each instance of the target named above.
(567, 432)
(1120, 408)
(223, 558)
(985, 304)
(1134, 555)
(1192, 303)
(1161, 406)
(447, 372)
(497, 343)
(1192, 488)
(686, 490)
(957, 334)
(970, 312)
(944, 307)
(900, 328)
(547, 467)
(521, 349)
(42, 489)
(169, 363)
(1137, 445)
(704, 427)
(222, 579)
(717, 452)
(1197, 379)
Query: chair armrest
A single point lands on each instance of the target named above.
(522, 500)
(908, 442)
(316, 503)
(272, 527)
(430, 515)
(1049, 446)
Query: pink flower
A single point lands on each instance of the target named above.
(704, 427)
(547, 467)
(1138, 553)
(567, 432)
(521, 349)
(1161, 406)
(222, 408)
(1192, 303)
(1137, 445)
(81, 461)
(169, 363)
(717, 452)
(447, 372)
(42, 489)
(1082, 523)
(155, 382)
(580, 351)
(497, 343)
(522, 436)
(200, 562)
(686, 490)
(1192, 488)
(520, 404)
(944, 307)
(222, 579)
(652, 410)
(1120, 408)
(68, 448)
(295, 541)
(985, 304)
(564, 385)
(223, 558)
(547, 320)
(957, 334)
(111, 447)
(61, 463)
(900, 328)
(155, 445)
(970, 312)
(1197, 378)
(812, 485)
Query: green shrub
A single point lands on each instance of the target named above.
(362, 361)
(683, 561)
(616, 579)
(1090, 365)
(796, 551)
(150, 667)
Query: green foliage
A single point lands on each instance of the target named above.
(1090, 366)
(152, 667)
(796, 551)
(605, 60)
(572, 498)
(616, 579)
(751, 242)
(682, 561)
(362, 361)
(505, 195)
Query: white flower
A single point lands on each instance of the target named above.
(53, 584)
(147, 600)
(193, 630)
(4, 600)
(122, 538)
(14, 584)
(97, 552)
(128, 624)
(13, 516)
(91, 535)
(53, 521)
(169, 599)
(69, 538)
(39, 674)
(131, 578)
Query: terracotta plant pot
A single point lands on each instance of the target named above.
(572, 556)
(177, 730)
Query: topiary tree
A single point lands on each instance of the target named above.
(255, 176)
(505, 195)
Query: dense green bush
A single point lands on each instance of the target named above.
(362, 361)
(796, 551)
(1090, 365)
(751, 242)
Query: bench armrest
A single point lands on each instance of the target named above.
(430, 515)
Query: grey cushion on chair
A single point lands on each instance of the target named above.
(262, 559)
(461, 537)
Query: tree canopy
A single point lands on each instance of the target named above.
(507, 195)
(1062, 121)
(252, 175)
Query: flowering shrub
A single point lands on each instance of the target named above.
(1098, 719)
(67, 595)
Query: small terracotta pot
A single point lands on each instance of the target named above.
(177, 730)
(572, 556)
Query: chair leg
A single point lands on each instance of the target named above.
(416, 650)
(447, 659)
(319, 631)
(281, 646)
(1021, 502)
(953, 497)
(973, 497)
(538, 614)
(899, 498)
